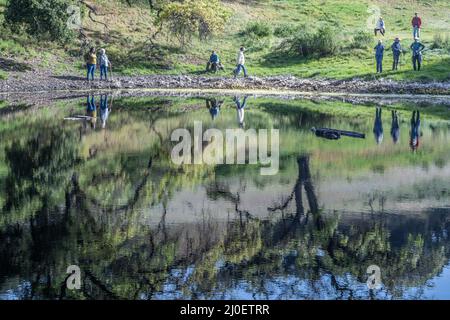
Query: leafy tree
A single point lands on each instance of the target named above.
(45, 19)
(202, 18)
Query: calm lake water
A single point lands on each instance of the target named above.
(93, 185)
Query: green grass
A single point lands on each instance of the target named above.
(129, 50)
(3, 75)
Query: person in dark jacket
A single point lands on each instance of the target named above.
(415, 131)
(395, 127)
(378, 126)
(396, 51)
(417, 47)
(379, 52)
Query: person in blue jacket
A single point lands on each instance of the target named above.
(396, 51)
(417, 48)
(214, 63)
(379, 52)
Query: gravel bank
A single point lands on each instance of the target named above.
(39, 81)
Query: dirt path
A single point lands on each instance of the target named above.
(41, 81)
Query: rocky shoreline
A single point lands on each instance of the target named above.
(29, 82)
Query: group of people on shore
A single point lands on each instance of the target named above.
(416, 47)
(214, 64)
(92, 62)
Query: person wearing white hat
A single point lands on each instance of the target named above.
(417, 47)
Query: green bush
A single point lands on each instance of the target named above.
(44, 19)
(257, 30)
(3, 76)
(361, 40)
(202, 18)
(256, 36)
(320, 43)
(441, 42)
(286, 30)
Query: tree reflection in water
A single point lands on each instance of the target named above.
(62, 208)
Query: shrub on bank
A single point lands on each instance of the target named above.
(441, 42)
(361, 40)
(306, 43)
(257, 35)
(257, 30)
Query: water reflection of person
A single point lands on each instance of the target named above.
(395, 127)
(240, 110)
(104, 109)
(378, 126)
(213, 106)
(415, 131)
(91, 111)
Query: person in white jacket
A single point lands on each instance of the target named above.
(380, 26)
(240, 63)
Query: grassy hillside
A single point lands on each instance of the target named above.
(129, 28)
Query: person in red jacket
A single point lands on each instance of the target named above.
(416, 24)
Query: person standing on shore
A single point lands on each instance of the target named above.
(416, 25)
(417, 47)
(91, 63)
(104, 64)
(396, 51)
(240, 63)
(379, 52)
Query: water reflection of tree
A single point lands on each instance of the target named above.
(121, 257)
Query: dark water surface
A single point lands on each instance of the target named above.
(101, 192)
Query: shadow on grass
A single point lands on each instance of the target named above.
(11, 65)
(435, 71)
